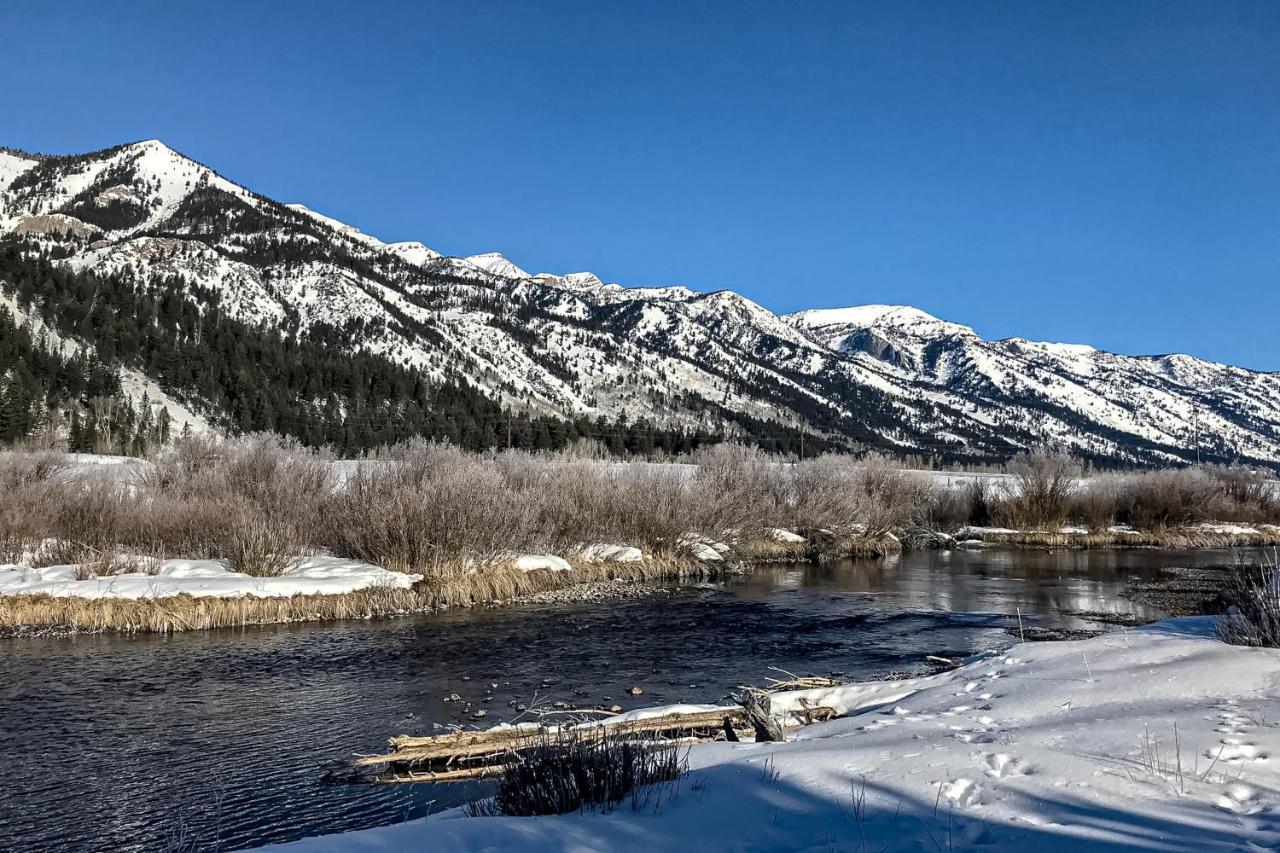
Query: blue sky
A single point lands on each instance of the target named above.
(1106, 172)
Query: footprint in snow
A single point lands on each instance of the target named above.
(1234, 750)
(876, 725)
(975, 736)
(999, 765)
(963, 793)
(1239, 798)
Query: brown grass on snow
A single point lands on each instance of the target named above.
(492, 585)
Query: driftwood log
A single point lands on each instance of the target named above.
(755, 705)
(455, 756)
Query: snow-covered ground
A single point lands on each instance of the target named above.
(203, 578)
(1161, 738)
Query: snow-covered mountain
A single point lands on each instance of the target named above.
(883, 376)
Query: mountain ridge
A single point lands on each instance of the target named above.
(889, 377)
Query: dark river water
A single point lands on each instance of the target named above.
(220, 740)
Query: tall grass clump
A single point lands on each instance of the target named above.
(569, 773)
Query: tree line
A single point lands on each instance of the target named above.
(64, 351)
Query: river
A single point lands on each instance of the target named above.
(220, 740)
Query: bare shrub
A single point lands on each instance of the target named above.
(20, 470)
(647, 506)
(567, 773)
(981, 502)
(1254, 615)
(946, 510)
(431, 502)
(254, 544)
(1094, 506)
(585, 448)
(1244, 495)
(896, 497)
(258, 501)
(1153, 500)
(827, 492)
(840, 492)
(741, 488)
(194, 454)
(1043, 482)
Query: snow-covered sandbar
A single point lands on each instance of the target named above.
(1161, 738)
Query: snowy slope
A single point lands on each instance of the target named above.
(1172, 400)
(1159, 739)
(890, 377)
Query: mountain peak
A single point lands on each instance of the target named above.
(901, 318)
(497, 264)
(413, 251)
(150, 145)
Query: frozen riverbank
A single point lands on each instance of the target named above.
(1156, 738)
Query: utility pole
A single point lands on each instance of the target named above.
(802, 442)
(508, 429)
(1195, 430)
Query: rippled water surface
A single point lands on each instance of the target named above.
(220, 740)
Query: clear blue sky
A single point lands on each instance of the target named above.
(1102, 172)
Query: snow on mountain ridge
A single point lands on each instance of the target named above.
(413, 252)
(876, 375)
(902, 317)
(494, 262)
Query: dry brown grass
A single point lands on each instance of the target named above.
(1171, 538)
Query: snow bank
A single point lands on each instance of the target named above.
(204, 578)
(542, 563)
(704, 549)
(1233, 529)
(778, 534)
(611, 554)
(1065, 746)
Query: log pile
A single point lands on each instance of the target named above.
(462, 755)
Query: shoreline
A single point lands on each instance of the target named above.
(1174, 538)
(48, 615)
